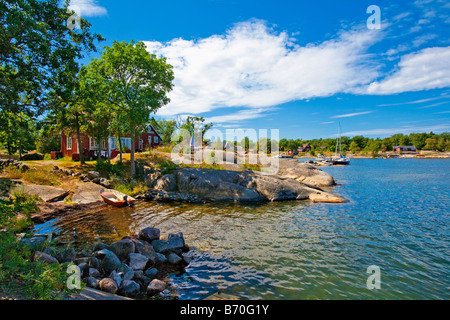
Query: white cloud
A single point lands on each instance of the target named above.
(348, 115)
(423, 70)
(252, 66)
(87, 8)
(238, 116)
(414, 102)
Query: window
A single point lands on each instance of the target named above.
(69, 143)
(93, 144)
(155, 139)
(104, 144)
(112, 143)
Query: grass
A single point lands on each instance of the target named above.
(20, 276)
(132, 188)
(39, 176)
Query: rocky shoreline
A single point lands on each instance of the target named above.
(294, 181)
(136, 266)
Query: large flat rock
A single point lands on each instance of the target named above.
(44, 192)
(94, 294)
(240, 186)
(87, 192)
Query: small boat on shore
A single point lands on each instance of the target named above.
(116, 198)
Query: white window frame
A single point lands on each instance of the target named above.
(155, 139)
(104, 144)
(93, 147)
(67, 143)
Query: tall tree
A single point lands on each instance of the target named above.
(38, 52)
(134, 82)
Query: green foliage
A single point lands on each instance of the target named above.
(29, 279)
(48, 140)
(166, 128)
(132, 188)
(127, 83)
(16, 132)
(438, 142)
(107, 169)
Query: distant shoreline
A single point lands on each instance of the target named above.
(441, 155)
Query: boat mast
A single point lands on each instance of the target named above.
(340, 141)
(337, 141)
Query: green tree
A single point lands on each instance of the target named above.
(38, 52)
(166, 128)
(133, 83)
(354, 147)
(431, 144)
(48, 140)
(17, 132)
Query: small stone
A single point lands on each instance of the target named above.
(100, 246)
(108, 285)
(91, 282)
(161, 258)
(122, 248)
(116, 277)
(149, 234)
(67, 255)
(109, 262)
(130, 288)
(188, 257)
(156, 286)
(173, 258)
(44, 258)
(127, 271)
(151, 273)
(138, 261)
(138, 274)
(93, 272)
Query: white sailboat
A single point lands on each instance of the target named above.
(341, 160)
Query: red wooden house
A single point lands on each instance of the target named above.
(69, 144)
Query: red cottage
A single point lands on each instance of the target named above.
(69, 145)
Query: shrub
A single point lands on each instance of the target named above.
(132, 188)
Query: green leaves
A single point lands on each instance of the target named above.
(38, 53)
(126, 85)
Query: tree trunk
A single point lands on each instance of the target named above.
(109, 150)
(80, 146)
(99, 151)
(133, 166)
(120, 147)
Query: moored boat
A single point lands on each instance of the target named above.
(116, 198)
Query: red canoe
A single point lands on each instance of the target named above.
(116, 198)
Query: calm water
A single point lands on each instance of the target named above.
(397, 218)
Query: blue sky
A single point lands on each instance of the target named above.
(298, 66)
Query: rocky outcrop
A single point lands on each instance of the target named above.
(305, 173)
(140, 264)
(242, 186)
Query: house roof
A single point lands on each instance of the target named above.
(153, 128)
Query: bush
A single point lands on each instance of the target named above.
(33, 280)
(132, 188)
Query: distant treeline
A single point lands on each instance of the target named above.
(422, 141)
